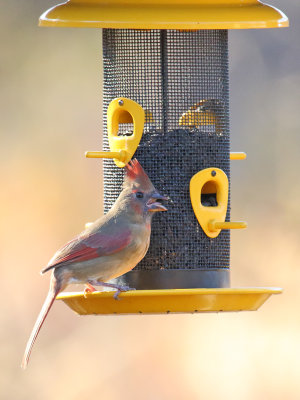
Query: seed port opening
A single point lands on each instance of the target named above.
(125, 129)
(125, 124)
(209, 194)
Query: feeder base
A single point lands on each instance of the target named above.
(169, 301)
(176, 279)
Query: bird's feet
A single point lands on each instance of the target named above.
(118, 288)
(121, 289)
(89, 289)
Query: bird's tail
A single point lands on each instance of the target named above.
(55, 288)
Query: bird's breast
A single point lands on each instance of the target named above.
(133, 254)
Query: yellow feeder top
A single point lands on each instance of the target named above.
(165, 14)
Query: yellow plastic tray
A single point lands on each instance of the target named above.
(169, 301)
(165, 14)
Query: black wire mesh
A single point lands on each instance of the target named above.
(181, 80)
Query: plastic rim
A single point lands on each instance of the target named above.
(169, 301)
(165, 14)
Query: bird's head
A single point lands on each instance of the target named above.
(142, 196)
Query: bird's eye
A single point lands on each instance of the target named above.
(139, 195)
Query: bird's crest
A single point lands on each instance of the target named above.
(135, 174)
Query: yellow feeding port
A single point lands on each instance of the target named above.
(165, 14)
(169, 301)
(122, 111)
(209, 198)
(214, 182)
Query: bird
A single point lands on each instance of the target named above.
(207, 112)
(107, 248)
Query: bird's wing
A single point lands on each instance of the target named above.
(87, 247)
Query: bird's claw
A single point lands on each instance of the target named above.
(122, 289)
(89, 289)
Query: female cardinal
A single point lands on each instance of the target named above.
(108, 248)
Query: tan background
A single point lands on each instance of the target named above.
(50, 114)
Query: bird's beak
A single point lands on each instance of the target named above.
(155, 202)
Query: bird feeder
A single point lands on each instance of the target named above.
(166, 102)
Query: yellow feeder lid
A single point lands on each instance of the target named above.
(169, 301)
(165, 14)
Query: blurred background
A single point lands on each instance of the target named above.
(51, 114)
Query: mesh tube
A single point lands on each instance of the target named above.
(181, 80)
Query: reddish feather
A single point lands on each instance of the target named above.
(136, 173)
(93, 246)
(82, 253)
